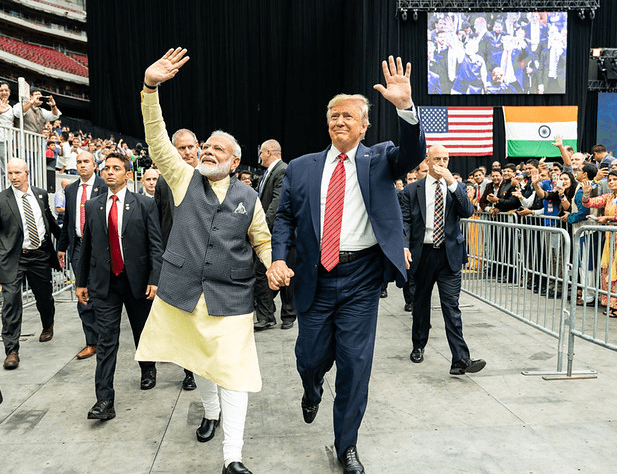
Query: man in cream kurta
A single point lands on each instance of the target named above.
(188, 324)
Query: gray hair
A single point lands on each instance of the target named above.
(182, 131)
(237, 152)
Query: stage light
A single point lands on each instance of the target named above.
(415, 15)
(404, 15)
(581, 14)
(592, 14)
(596, 52)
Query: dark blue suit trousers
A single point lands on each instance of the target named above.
(340, 327)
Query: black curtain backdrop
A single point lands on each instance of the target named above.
(263, 69)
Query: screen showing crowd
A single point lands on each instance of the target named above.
(497, 53)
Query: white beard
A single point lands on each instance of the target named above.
(215, 172)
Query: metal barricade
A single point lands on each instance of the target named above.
(595, 276)
(520, 269)
(30, 147)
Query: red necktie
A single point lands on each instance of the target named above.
(438, 234)
(333, 216)
(117, 265)
(82, 209)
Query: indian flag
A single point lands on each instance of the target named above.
(530, 131)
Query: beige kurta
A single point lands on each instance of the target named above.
(221, 349)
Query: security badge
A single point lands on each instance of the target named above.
(40, 196)
(126, 207)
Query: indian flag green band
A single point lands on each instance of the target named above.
(533, 148)
(530, 131)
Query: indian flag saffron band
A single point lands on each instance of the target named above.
(530, 131)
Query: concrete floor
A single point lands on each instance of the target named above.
(419, 418)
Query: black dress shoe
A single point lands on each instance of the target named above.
(261, 325)
(350, 461)
(207, 429)
(417, 355)
(384, 294)
(148, 378)
(103, 410)
(236, 468)
(467, 365)
(309, 411)
(409, 307)
(189, 382)
(287, 325)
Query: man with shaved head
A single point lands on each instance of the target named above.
(432, 208)
(269, 191)
(88, 185)
(151, 175)
(26, 251)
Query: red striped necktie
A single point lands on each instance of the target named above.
(333, 216)
(117, 265)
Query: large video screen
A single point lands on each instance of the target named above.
(497, 53)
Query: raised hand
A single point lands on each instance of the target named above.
(166, 67)
(398, 85)
(558, 141)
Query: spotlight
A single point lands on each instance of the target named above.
(415, 15)
(404, 15)
(581, 14)
(592, 14)
(596, 52)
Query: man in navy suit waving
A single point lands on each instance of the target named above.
(432, 208)
(349, 228)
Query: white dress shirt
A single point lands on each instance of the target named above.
(356, 229)
(38, 217)
(429, 189)
(120, 204)
(80, 189)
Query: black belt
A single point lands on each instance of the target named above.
(433, 246)
(33, 251)
(346, 257)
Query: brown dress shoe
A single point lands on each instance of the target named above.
(12, 360)
(86, 352)
(47, 334)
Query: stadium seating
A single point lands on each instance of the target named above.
(44, 56)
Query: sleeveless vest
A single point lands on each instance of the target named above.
(208, 250)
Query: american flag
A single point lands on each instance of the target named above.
(464, 131)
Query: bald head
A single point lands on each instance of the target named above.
(437, 156)
(17, 172)
(65, 182)
(85, 165)
(151, 175)
(269, 152)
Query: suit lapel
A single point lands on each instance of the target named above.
(12, 200)
(39, 200)
(314, 187)
(363, 165)
(421, 190)
(129, 204)
(448, 202)
(102, 211)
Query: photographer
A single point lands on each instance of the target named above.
(35, 116)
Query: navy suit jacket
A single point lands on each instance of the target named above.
(67, 237)
(141, 244)
(414, 217)
(377, 168)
